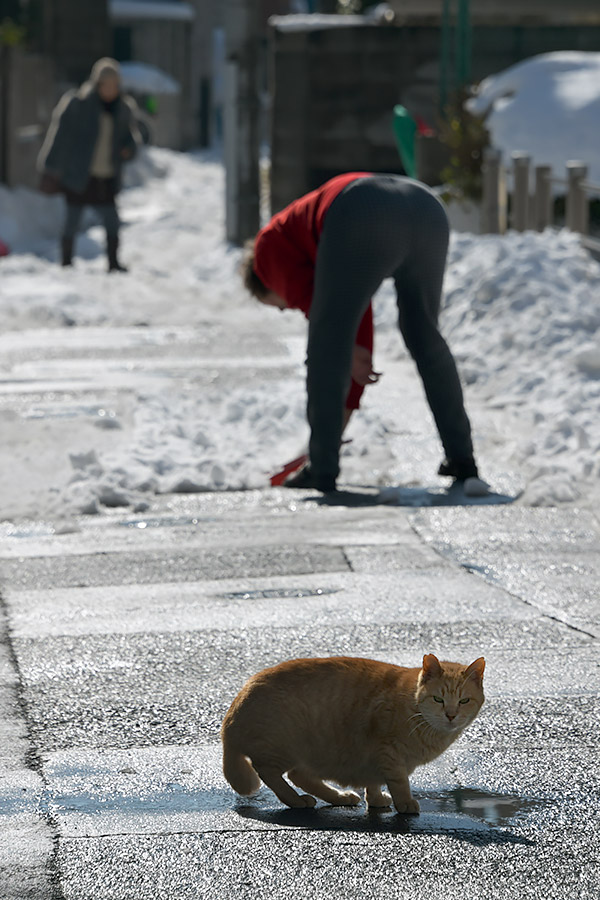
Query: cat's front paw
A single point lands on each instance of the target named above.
(409, 808)
(379, 801)
(306, 801)
(347, 798)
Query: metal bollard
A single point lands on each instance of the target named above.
(542, 205)
(577, 208)
(520, 199)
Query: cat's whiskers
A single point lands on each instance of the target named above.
(421, 722)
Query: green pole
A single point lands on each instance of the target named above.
(463, 45)
(468, 42)
(445, 56)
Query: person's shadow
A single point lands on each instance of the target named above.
(408, 496)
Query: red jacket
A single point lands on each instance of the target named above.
(285, 253)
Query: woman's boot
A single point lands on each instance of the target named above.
(66, 249)
(112, 248)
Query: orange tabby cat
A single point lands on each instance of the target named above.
(357, 722)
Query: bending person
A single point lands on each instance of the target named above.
(326, 254)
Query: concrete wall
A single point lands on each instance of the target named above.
(28, 91)
(167, 44)
(334, 89)
(75, 34)
(513, 12)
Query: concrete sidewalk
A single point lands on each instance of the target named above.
(126, 639)
(126, 635)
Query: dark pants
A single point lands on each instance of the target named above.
(99, 193)
(107, 212)
(380, 226)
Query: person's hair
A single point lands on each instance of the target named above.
(105, 68)
(251, 280)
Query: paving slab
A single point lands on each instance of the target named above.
(342, 864)
(151, 790)
(326, 598)
(214, 520)
(548, 557)
(120, 690)
(26, 837)
(87, 570)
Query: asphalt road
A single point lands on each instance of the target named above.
(125, 641)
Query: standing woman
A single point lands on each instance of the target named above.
(326, 254)
(92, 133)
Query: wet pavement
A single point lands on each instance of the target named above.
(127, 638)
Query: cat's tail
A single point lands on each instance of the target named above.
(238, 770)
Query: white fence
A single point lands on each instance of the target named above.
(533, 210)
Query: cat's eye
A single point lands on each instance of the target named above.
(438, 699)
(465, 700)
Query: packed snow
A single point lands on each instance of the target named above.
(207, 387)
(547, 106)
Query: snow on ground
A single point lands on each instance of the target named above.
(547, 106)
(521, 313)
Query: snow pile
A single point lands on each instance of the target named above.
(548, 107)
(224, 441)
(523, 319)
(521, 313)
(28, 218)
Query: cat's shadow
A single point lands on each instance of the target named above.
(468, 816)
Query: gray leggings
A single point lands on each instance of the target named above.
(380, 226)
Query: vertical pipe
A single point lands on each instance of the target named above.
(241, 119)
(5, 136)
(520, 200)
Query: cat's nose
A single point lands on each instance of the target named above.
(450, 716)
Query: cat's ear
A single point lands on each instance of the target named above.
(431, 667)
(475, 670)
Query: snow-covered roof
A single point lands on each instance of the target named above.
(149, 9)
(380, 14)
(315, 22)
(547, 106)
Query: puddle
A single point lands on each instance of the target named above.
(463, 812)
(165, 522)
(494, 809)
(452, 496)
(69, 411)
(277, 594)
(460, 808)
(470, 815)
(24, 532)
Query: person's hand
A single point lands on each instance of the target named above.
(362, 367)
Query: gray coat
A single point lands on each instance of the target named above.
(68, 149)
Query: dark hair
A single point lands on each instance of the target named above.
(251, 280)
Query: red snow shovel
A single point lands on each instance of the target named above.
(292, 466)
